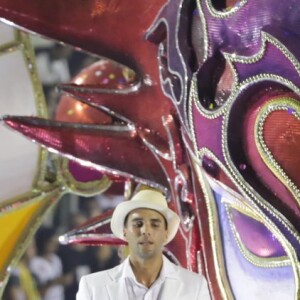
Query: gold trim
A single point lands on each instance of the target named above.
(209, 114)
(273, 262)
(51, 197)
(22, 43)
(266, 38)
(87, 189)
(289, 249)
(205, 31)
(213, 224)
(29, 57)
(237, 202)
(255, 199)
(41, 190)
(41, 106)
(10, 47)
(245, 189)
(227, 13)
(284, 104)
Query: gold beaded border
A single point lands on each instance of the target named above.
(252, 197)
(255, 199)
(284, 104)
(234, 58)
(266, 39)
(227, 13)
(244, 207)
(237, 179)
(252, 258)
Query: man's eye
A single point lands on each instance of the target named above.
(138, 224)
(155, 224)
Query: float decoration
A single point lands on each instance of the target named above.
(26, 193)
(221, 81)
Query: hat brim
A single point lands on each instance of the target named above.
(124, 208)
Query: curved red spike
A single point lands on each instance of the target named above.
(138, 107)
(110, 28)
(112, 149)
(95, 231)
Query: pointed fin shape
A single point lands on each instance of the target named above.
(94, 232)
(138, 107)
(112, 149)
(110, 28)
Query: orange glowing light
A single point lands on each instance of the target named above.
(79, 107)
(105, 6)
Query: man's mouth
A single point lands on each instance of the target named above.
(146, 242)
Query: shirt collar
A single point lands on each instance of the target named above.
(167, 270)
(127, 270)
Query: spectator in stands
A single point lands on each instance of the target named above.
(47, 266)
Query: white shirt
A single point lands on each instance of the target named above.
(137, 290)
(119, 283)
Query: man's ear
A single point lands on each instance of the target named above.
(166, 236)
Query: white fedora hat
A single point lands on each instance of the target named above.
(144, 199)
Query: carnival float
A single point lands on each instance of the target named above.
(199, 99)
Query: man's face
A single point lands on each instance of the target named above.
(145, 232)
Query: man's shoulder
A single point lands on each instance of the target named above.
(187, 275)
(193, 284)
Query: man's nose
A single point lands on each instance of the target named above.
(146, 229)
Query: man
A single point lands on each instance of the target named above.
(147, 224)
